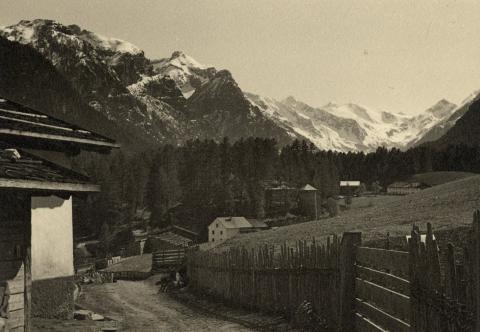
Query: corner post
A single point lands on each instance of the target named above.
(348, 249)
(476, 266)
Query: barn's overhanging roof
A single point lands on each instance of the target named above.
(174, 239)
(26, 126)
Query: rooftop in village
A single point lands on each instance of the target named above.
(240, 222)
(174, 239)
(349, 183)
(308, 188)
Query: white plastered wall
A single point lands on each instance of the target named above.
(52, 237)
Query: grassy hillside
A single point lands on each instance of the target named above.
(437, 178)
(446, 206)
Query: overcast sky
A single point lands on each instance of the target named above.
(400, 56)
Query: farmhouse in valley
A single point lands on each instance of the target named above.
(36, 233)
(405, 188)
(349, 187)
(224, 228)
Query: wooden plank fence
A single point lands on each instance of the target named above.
(259, 279)
(350, 287)
(444, 298)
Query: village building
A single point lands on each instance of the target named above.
(349, 188)
(36, 231)
(310, 201)
(223, 228)
(280, 199)
(405, 188)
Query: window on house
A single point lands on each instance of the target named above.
(221, 232)
(216, 225)
(213, 240)
(213, 232)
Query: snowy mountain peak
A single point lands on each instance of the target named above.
(351, 127)
(187, 72)
(28, 32)
(180, 59)
(290, 100)
(442, 109)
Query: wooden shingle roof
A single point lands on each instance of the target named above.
(28, 172)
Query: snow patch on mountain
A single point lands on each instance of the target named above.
(112, 44)
(26, 32)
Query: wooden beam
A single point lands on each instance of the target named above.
(350, 241)
(49, 186)
(395, 262)
(28, 289)
(384, 279)
(380, 317)
(59, 138)
(394, 303)
(363, 324)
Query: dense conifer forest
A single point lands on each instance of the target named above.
(196, 182)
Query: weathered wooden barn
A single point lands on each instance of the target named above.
(36, 188)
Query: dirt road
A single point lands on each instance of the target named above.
(139, 307)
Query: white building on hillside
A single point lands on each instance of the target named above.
(224, 228)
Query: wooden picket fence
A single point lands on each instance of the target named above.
(262, 279)
(350, 287)
(445, 283)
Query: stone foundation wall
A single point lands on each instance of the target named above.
(53, 298)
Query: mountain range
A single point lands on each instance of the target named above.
(109, 85)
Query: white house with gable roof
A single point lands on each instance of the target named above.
(223, 228)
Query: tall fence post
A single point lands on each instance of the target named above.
(350, 241)
(476, 266)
